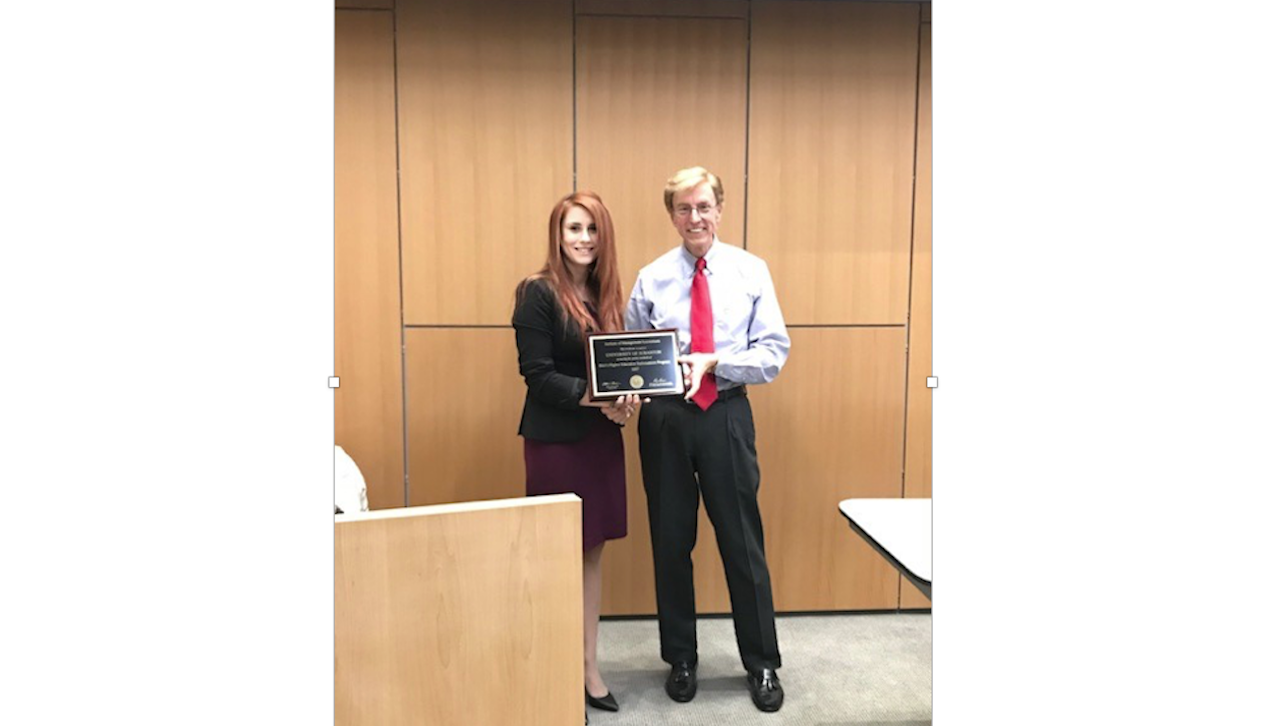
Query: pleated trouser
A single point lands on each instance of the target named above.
(688, 454)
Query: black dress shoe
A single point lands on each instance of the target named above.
(681, 684)
(604, 703)
(766, 690)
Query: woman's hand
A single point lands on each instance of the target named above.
(623, 408)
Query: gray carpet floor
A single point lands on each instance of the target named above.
(872, 669)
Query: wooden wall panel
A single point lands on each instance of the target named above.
(486, 147)
(919, 410)
(368, 420)
(462, 614)
(832, 137)
(465, 396)
(684, 8)
(830, 428)
(365, 4)
(656, 95)
(919, 415)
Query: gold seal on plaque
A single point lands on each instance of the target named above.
(637, 381)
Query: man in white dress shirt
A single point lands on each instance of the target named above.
(720, 299)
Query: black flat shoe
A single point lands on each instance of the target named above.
(766, 690)
(604, 703)
(681, 684)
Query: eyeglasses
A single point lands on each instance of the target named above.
(703, 209)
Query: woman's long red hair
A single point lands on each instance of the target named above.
(601, 276)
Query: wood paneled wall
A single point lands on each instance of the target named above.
(919, 434)
(486, 147)
(460, 388)
(633, 74)
(369, 401)
(832, 156)
(817, 116)
(845, 380)
(919, 402)
(654, 8)
(365, 4)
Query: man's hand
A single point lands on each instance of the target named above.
(695, 366)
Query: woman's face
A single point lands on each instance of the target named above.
(578, 237)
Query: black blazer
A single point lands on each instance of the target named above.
(553, 362)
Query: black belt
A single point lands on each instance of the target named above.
(724, 395)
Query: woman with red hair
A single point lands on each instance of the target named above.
(571, 444)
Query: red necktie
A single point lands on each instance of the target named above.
(701, 328)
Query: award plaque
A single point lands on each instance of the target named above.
(640, 362)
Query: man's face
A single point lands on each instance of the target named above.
(696, 216)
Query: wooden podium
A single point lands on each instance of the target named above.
(464, 613)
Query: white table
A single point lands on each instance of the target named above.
(899, 529)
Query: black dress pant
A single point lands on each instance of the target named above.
(686, 452)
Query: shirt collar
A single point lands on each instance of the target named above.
(690, 262)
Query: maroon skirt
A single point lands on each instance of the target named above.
(593, 469)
